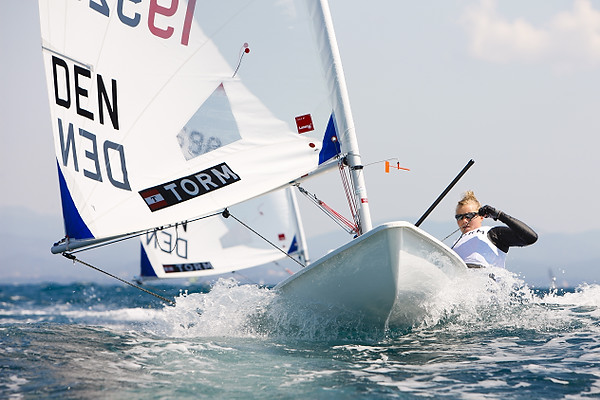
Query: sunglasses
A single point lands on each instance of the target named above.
(469, 216)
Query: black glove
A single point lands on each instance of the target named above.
(489, 212)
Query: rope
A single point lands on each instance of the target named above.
(460, 237)
(340, 217)
(456, 230)
(134, 235)
(335, 216)
(244, 50)
(72, 257)
(227, 214)
(349, 191)
(462, 234)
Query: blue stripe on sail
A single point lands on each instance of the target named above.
(331, 148)
(75, 228)
(294, 246)
(145, 266)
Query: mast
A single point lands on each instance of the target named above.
(334, 72)
(302, 246)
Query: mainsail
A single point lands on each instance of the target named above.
(217, 245)
(166, 112)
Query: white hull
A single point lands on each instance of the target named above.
(381, 279)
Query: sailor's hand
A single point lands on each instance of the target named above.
(489, 212)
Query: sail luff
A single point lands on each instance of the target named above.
(333, 66)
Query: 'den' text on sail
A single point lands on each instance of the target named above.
(111, 154)
(166, 242)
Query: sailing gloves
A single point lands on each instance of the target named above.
(489, 212)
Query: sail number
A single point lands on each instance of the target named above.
(129, 17)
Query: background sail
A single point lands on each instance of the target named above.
(150, 124)
(217, 245)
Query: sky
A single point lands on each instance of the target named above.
(512, 85)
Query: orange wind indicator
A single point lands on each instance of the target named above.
(397, 166)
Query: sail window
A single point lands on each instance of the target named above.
(212, 126)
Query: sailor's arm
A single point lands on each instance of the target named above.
(516, 232)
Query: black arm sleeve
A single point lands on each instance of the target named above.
(515, 233)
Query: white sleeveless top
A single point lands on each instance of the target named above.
(474, 247)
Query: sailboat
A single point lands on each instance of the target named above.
(165, 112)
(218, 245)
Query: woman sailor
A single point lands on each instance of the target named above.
(484, 246)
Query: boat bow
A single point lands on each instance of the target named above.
(382, 278)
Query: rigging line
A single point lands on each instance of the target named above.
(227, 214)
(244, 50)
(349, 189)
(72, 257)
(187, 60)
(352, 208)
(74, 61)
(138, 234)
(380, 161)
(335, 216)
(462, 234)
(331, 213)
(352, 199)
(346, 186)
(352, 227)
(453, 232)
(460, 237)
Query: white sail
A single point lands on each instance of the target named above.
(218, 245)
(164, 112)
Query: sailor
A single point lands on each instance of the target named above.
(484, 246)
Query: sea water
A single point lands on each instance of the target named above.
(481, 337)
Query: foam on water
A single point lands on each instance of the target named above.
(224, 311)
(479, 337)
(481, 300)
